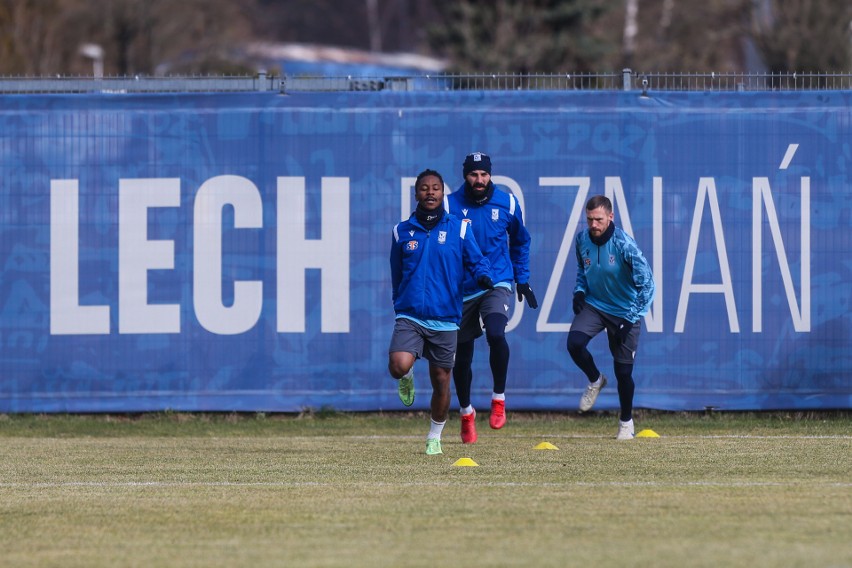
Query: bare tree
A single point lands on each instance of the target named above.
(137, 36)
(631, 29)
(804, 35)
(32, 33)
(689, 36)
(373, 27)
(200, 36)
(376, 25)
(522, 37)
(43, 37)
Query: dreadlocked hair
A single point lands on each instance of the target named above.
(428, 172)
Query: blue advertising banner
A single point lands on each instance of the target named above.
(229, 252)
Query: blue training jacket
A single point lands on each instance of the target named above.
(615, 277)
(500, 233)
(428, 268)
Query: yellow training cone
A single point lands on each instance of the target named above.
(545, 446)
(465, 462)
(647, 434)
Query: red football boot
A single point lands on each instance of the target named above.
(468, 428)
(498, 414)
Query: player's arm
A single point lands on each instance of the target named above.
(473, 259)
(643, 280)
(519, 242)
(581, 284)
(395, 262)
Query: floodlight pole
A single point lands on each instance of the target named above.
(94, 52)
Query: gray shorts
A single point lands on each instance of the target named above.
(496, 301)
(437, 347)
(591, 321)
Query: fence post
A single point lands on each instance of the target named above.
(627, 76)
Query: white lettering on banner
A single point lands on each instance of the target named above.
(330, 254)
(761, 194)
(406, 193)
(565, 248)
(137, 255)
(654, 317)
(67, 316)
(212, 197)
(707, 191)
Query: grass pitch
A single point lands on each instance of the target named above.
(357, 490)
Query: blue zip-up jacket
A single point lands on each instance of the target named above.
(428, 268)
(615, 277)
(498, 226)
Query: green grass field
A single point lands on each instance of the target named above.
(332, 489)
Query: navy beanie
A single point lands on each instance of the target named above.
(476, 161)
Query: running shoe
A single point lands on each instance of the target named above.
(625, 430)
(433, 447)
(587, 401)
(498, 414)
(406, 388)
(468, 428)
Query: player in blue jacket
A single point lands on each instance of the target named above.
(498, 223)
(430, 254)
(614, 289)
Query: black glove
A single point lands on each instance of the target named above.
(579, 302)
(623, 330)
(485, 282)
(524, 291)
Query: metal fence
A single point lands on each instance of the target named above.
(627, 80)
(738, 81)
(125, 85)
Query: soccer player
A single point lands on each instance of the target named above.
(498, 224)
(614, 289)
(430, 254)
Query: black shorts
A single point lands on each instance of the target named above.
(496, 301)
(437, 347)
(591, 321)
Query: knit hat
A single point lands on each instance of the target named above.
(476, 161)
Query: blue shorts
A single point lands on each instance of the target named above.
(496, 301)
(437, 347)
(591, 321)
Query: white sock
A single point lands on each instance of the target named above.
(435, 429)
(598, 382)
(409, 374)
(495, 396)
(629, 422)
(467, 410)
